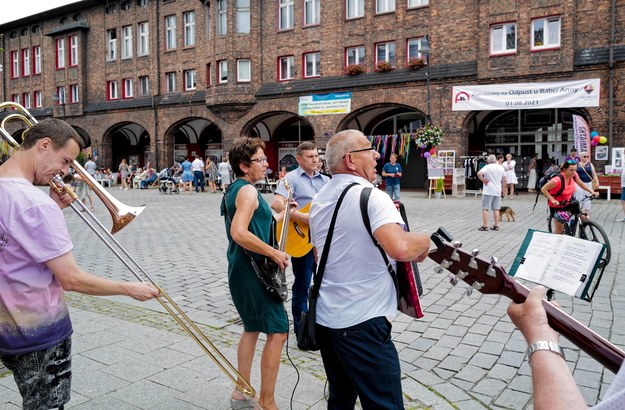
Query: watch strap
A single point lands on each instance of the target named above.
(544, 345)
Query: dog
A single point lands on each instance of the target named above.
(508, 212)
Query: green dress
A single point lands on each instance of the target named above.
(258, 311)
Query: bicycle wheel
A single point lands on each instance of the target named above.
(591, 231)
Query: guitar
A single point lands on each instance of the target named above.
(490, 278)
(297, 235)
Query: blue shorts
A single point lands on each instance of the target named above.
(623, 193)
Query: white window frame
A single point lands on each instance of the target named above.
(37, 60)
(312, 64)
(126, 42)
(38, 99)
(312, 12)
(286, 15)
(222, 17)
(144, 86)
(25, 62)
(15, 64)
(354, 8)
(286, 68)
(73, 51)
(143, 39)
(189, 28)
(16, 98)
(170, 82)
(222, 74)
(61, 96)
(128, 88)
(60, 53)
(111, 44)
(26, 100)
(243, 17)
(358, 55)
(389, 52)
(170, 32)
(244, 74)
(417, 3)
(548, 42)
(498, 38)
(190, 80)
(73, 93)
(410, 48)
(113, 91)
(384, 6)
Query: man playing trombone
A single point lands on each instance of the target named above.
(37, 266)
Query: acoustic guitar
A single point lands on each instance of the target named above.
(297, 236)
(487, 277)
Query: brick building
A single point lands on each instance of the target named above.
(155, 80)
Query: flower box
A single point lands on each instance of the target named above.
(354, 69)
(384, 67)
(415, 64)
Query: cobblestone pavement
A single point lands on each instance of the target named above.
(464, 353)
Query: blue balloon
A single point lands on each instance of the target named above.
(593, 134)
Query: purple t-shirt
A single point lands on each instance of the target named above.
(33, 313)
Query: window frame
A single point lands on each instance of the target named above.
(128, 89)
(15, 63)
(289, 6)
(503, 26)
(386, 43)
(244, 14)
(221, 64)
(357, 56)
(291, 68)
(170, 32)
(25, 62)
(111, 44)
(143, 39)
(358, 7)
(390, 6)
(171, 82)
(222, 18)
(239, 70)
(316, 10)
(61, 95)
(419, 41)
(38, 97)
(193, 74)
(420, 3)
(74, 96)
(546, 33)
(144, 86)
(26, 100)
(316, 65)
(73, 51)
(112, 90)
(189, 39)
(126, 43)
(36, 60)
(60, 53)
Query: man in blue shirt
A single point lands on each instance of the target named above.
(392, 172)
(305, 181)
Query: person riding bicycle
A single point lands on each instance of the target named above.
(559, 198)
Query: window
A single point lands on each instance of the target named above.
(73, 51)
(15, 64)
(26, 61)
(385, 52)
(546, 33)
(125, 6)
(16, 98)
(142, 3)
(355, 55)
(312, 13)
(73, 93)
(26, 99)
(243, 16)
(112, 90)
(503, 38)
(60, 53)
(312, 64)
(126, 42)
(384, 6)
(223, 72)
(244, 70)
(190, 80)
(355, 8)
(170, 78)
(209, 77)
(170, 32)
(413, 45)
(111, 45)
(143, 39)
(222, 17)
(286, 68)
(144, 86)
(417, 3)
(128, 90)
(37, 60)
(60, 96)
(38, 99)
(285, 16)
(189, 29)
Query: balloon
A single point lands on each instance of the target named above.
(424, 146)
(593, 134)
(602, 140)
(427, 155)
(596, 138)
(433, 151)
(594, 143)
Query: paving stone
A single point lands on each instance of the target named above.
(513, 399)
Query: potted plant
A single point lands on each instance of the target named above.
(354, 69)
(440, 185)
(384, 67)
(428, 136)
(415, 64)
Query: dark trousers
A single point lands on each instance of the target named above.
(302, 270)
(198, 179)
(361, 361)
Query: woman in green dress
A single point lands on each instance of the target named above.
(250, 229)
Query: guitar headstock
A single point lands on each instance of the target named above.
(485, 276)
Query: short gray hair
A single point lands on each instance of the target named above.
(338, 146)
(491, 159)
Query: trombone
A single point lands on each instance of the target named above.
(122, 215)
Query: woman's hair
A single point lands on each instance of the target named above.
(566, 164)
(241, 152)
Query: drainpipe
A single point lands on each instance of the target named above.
(158, 86)
(611, 75)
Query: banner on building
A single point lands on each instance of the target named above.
(581, 132)
(325, 104)
(527, 96)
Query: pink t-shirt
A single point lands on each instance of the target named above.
(33, 313)
(567, 194)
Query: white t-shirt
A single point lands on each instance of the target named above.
(356, 285)
(493, 173)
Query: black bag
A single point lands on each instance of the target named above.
(307, 332)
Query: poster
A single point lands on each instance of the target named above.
(617, 158)
(601, 153)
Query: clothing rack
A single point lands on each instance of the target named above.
(471, 165)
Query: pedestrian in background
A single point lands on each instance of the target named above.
(211, 174)
(197, 167)
(392, 172)
(531, 169)
(622, 193)
(493, 176)
(511, 180)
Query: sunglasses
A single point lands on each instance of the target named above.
(571, 161)
(358, 150)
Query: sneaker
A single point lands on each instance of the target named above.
(620, 219)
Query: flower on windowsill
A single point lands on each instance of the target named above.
(384, 67)
(415, 64)
(428, 136)
(354, 69)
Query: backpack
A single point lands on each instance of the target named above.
(543, 181)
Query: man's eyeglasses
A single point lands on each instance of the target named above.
(260, 159)
(358, 150)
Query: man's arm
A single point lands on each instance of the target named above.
(401, 245)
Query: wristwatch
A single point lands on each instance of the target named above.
(544, 345)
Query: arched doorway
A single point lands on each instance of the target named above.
(196, 137)
(128, 141)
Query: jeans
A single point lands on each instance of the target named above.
(146, 182)
(393, 191)
(302, 270)
(361, 361)
(198, 178)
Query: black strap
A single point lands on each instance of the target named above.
(318, 277)
(364, 200)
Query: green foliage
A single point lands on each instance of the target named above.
(440, 184)
(81, 158)
(430, 135)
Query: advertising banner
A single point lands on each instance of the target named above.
(527, 96)
(324, 104)
(582, 134)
